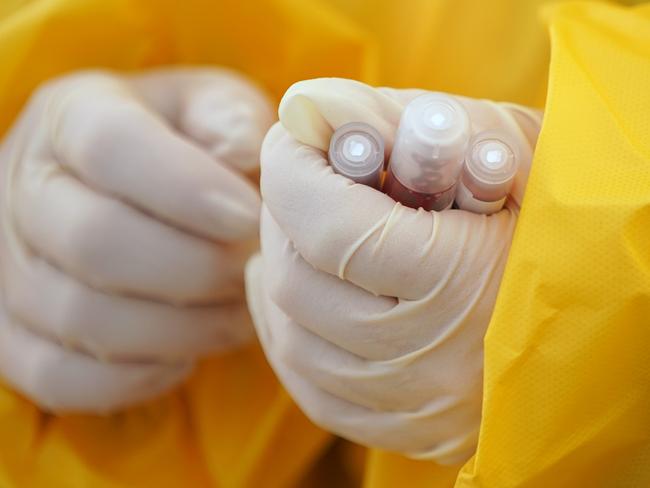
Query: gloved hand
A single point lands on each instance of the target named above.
(126, 221)
(373, 314)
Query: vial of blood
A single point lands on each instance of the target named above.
(428, 154)
(357, 152)
(488, 173)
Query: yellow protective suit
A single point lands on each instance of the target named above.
(566, 375)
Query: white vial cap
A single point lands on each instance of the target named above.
(490, 166)
(357, 152)
(430, 144)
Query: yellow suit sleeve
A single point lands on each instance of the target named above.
(566, 356)
(228, 425)
(232, 425)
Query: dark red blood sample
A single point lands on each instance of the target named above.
(428, 201)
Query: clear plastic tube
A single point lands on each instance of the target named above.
(428, 154)
(488, 173)
(357, 152)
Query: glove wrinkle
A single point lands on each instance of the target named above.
(123, 235)
(373, 314)
(347, 256)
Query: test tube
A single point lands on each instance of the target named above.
(428, 154)
(357, 152)
(488, 173)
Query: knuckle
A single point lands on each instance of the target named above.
(67, 311)
(285, 348)
(39, 379)
(89, 117)
(99, 129)
(281, 289)
(59, 316)
(284, 283)
(13, 297)
(286, 340)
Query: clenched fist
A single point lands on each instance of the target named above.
(373, 314)
(126, 219)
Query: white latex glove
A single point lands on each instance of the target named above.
(126, 222)
(373, 314)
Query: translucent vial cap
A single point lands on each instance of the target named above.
(430, 144)
(490, 166)
(357, 152)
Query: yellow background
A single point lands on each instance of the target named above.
(566, 382)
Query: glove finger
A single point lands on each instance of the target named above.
(415, 383)
(359, 234)
(112, 326)
(61, 380)
(109, 245)
(101, 132)
(416, 434)
(364, 324)
(312, 109)
(220, 110)
(420, 434)
(334, 309)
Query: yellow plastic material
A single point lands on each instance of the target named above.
(567, 364)
(231, 426)
(500, 49)
(566, 390)
(389, 470)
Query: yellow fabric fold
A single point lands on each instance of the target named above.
(566, 362)
(232, 425)
(564, 356)
(387, 470)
